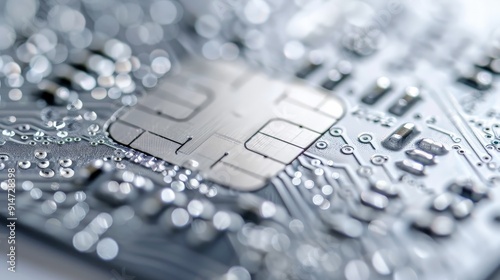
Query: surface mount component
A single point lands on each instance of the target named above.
(237, 127)
(411, 166)
(338, 74)
(410, 97)
(378, 90)
(308, 70)
(477, 78)
(400, 137)
(423, 157)
(432, 146)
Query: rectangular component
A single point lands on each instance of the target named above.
(397, 140)
(411, 166)
(337, 75)
(377, 91)
(307, 70)
(406, 102)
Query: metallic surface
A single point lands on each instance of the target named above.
(260, 139)
(241, 128)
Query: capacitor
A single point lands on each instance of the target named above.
(442, 202)
(307, 70)
(469, 189)
(374, 200)
(382, 86)
(52, 93)
(462, 208)
(337, 75)
(410, 97)
(423, 157)
(489, 63)
(385, 188)
(411, 166)
(477, 78)
(76, 77)
(399, 138)
(440, 225)
(91, 171)
(432, 147)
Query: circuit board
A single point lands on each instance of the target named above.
(260, 139)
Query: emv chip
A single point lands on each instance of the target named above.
(237, 126)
